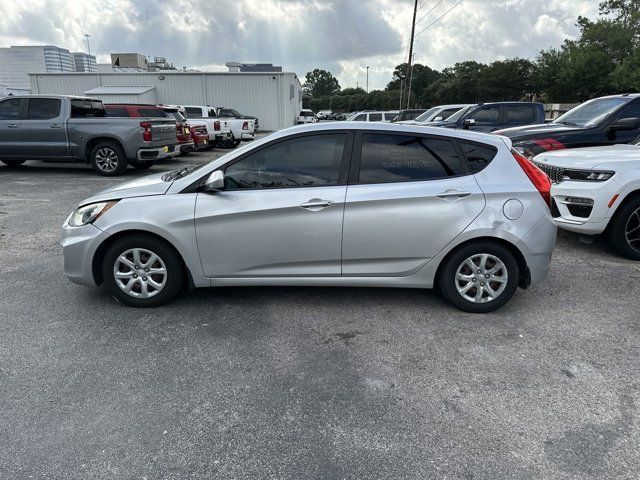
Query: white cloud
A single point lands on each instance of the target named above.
(343, 36)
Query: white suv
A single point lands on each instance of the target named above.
(597, 190)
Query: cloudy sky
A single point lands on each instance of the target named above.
(343, 36)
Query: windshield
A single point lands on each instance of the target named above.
(424, 117)
(591, 113)
(459, 114)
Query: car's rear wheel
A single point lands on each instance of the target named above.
(479, 277)
(624, 230)
(138, 165)
(142, 271)
(12, 162)
(108, 159)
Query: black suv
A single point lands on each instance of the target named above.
(488, 117)
(601, 121)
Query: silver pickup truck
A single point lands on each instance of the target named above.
(64, 128)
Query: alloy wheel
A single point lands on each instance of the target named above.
(481, 278)
(632, 230)
(107, 160)
(140, 273)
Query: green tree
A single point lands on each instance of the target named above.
(319, 83)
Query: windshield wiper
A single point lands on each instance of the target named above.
(569, 124)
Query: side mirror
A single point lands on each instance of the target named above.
(437, 119)
(625, 124)
(469, 122)
(215, 182)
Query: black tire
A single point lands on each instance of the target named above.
(448, 281)
(624, 230)
(108, 159)
(174, 276)
(13, 163)
(186, 151)
(138, 165)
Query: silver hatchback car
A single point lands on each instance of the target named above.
(339, 204)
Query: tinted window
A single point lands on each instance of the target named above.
(152, 112)
(43, 108)
(300, 162)
(478, 156)
(194, 112)
(226, 113)
(361, 118)
(10, 109)
(447, 113)
(403, 158)
(519, 114)
(630, 111)
(87, 108)
(375, 117)
(116, 112)
(390, 116)
(486, 115)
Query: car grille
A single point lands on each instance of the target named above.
(554, 173)
(582, 211)
(555, 213)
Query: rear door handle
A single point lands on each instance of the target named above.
(13, 125)
(316, 204)
(453, 194)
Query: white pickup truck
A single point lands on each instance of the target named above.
(241, 129)
(220, 129)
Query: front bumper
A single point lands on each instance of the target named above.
(156, 153)
(79, 245)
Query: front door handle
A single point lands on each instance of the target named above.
(13, 125)
(55, 125)
(316, 204)
(453, 194)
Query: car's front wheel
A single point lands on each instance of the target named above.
(142, 271)
(479, 277)
(624, 230)
(12, 162)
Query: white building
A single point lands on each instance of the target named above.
(16, 63)
(84, 62)
(275, 98)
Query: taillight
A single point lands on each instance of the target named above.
(147, 136)
(216, 126)
(539, 179)
(245, 126)
(178, 127)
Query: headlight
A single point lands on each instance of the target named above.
(587, 175)
(88, 213)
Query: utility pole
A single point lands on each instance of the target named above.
(410, 82)
(413, 32)
(87, 36)
(368, 77)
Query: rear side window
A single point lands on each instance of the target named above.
(152, 112)
(519, 114)
(117, 112)
(87, 108)
(194, 112)
(43, 108)
(375, 117)
(390, 116)
(10, 109)
(478, 155)
(405, 158)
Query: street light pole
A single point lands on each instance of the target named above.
(367, 79)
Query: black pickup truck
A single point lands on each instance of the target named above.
(601, 121)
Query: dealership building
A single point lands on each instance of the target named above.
(274, 97)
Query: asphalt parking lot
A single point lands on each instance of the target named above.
(297, 383)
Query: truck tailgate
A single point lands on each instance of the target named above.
(163, 130)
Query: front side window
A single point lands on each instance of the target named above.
(630, 111)
(43, 108)
(361, 118)
(478, 156)
(486, 115)
(375, 117)
(406, 158)
(10, 109)
(519, 114)
(311, 161)
(390, 116)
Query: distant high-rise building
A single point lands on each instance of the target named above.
(237, 67)
(85, 62)
(17, 62)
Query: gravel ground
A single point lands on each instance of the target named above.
(297, 383)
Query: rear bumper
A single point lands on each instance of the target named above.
(79, 246)
(247, 137)
(537, 248)
(156, 153)
(221, 137)
(183, 147)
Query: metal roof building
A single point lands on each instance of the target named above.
(274, 97)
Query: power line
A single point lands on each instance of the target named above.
(430, 10)
(438, 19)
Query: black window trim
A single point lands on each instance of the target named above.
(354, 174)
(343, 173)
